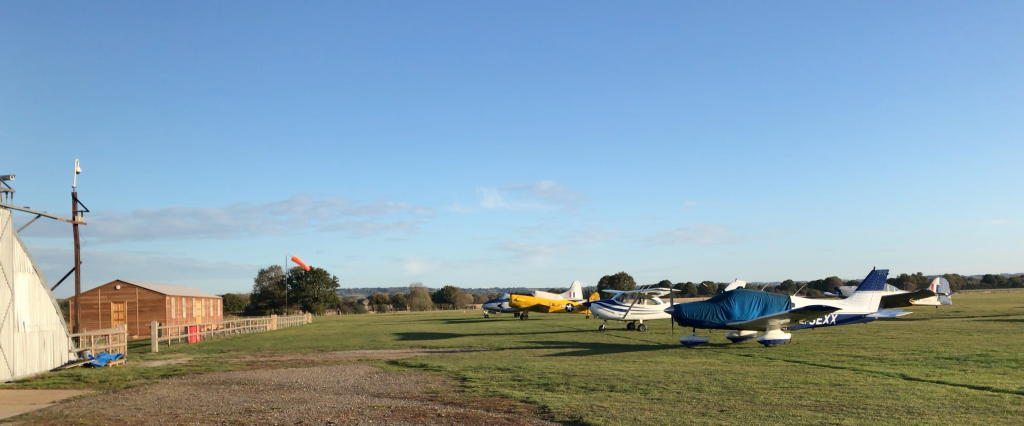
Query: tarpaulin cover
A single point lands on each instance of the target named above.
(736, 305)
(103, 358)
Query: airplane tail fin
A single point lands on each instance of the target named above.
(594, 296)
(575, 292)
(868, 294)
(735, 285)
(939, 286)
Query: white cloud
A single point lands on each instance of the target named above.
(703, 234)
(491, 199)
(416, 265)
(239, 220)
(544, 195)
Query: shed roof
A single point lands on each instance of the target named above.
(171, 290)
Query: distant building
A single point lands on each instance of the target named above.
(137, 304)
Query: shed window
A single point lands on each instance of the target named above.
(173, 311)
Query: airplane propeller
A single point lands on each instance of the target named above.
(672, 304)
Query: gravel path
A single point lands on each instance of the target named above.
(321, 395)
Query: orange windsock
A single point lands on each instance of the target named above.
(300, 262)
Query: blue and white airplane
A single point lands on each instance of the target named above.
(631, 306)
(747, 311)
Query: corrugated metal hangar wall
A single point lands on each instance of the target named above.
(33, 335)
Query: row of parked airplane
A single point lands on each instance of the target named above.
(743, 311)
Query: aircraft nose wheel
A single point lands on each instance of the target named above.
(631, 326)
(601, 327)
(641, 327)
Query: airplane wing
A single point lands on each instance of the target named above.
(782, 319)
(646, 293)
(889, 313)
(903, 300)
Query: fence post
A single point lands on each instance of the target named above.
(309, 318)
(154, 331)
(273, 322)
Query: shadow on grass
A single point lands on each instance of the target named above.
(911, 318)
(1005, 320)
(433, 335)
(596, 348)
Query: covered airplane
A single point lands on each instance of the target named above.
(936, 294)
(631, 306)
(748, 311)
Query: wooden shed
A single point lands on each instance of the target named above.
(137, 304)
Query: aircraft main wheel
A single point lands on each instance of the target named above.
(601, 328)
(630, 326)
(515, 314)
(641, 327)
(486, 316)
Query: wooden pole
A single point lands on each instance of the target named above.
(154, 331)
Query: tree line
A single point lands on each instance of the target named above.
(275, 291)
(816, 288)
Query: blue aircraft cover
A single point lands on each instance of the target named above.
(102, 359)
(736, 305)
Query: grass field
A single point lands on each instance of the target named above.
(956, 365)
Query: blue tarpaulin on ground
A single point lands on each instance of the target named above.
(736, 305)
(103, 358)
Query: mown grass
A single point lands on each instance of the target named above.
(955, 365)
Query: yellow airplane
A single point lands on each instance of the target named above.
(530, 303)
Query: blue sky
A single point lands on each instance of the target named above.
(483, 144)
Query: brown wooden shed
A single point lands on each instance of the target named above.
(137, 304)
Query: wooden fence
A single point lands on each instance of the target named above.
(110, 340)
(183, 334)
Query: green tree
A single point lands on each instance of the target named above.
(446, 296)
(688, 290)
(787, 287)
(398, 301)
(235, 303)
(463, 300)
(268, 291)
(664, 284)
(707, 288)
(314, 290)
(620, 281)
(419, 297)
(380, 302)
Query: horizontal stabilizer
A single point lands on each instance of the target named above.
(903, 300)
(889, 313)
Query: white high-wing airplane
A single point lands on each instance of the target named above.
(632, 306)
(937, 294)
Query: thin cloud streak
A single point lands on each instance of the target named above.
(241, 220)
(702, 234)
(544, 195)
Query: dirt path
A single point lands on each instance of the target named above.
(319, 395)
(19, 401)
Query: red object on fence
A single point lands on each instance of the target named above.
(192, 330)
(300, 263)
